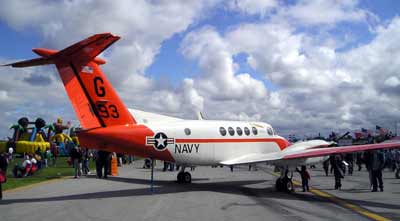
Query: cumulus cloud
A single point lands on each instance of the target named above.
(317, 12)
(191, 96)
(143, 25)
(218, 79)
(253, 7)
(392, 81)
(319, 87)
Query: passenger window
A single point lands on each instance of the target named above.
(255, 132)
(222, 131)
(246, 131)
(231, 131)
(187, 131)
(239, 131)
(270, 131)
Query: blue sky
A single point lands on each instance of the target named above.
(16, 44)
(302, 51)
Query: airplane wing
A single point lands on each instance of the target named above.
(318, 152)
(309, 152)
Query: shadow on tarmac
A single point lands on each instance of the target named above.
(261, 195)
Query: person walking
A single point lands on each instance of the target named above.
(305, 176)
(368, 158)
(104, 161)
(378, 163)
(85, 161)
(335, 161)
(76, 158)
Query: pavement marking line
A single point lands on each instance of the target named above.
(340, 201)
(30, 186)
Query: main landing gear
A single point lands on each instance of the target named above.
(284, 182)
(184, 177)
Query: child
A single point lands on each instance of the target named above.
(305, 176)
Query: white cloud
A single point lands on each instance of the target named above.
(143, 26)
(191, 96)
(253, 7)
(392, 81)
(218, 79)
(317, 12)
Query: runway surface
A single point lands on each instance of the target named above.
(214, 194)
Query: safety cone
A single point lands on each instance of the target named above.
(114, 166)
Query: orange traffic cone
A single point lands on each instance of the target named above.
(114, 166)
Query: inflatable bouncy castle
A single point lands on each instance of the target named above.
(28, 137)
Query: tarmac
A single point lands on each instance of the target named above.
(214, 194)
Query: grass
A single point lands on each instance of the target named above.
(62, 169)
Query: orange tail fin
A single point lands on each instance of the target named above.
(93, 98)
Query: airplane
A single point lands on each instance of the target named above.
(108, 125)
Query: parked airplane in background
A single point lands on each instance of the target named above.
(108, 125)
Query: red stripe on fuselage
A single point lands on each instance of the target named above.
(282, 143)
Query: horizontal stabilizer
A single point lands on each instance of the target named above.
(81, 52)
(30, 63)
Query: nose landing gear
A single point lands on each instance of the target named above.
(184, 177)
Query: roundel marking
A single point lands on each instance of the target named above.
(159, 141)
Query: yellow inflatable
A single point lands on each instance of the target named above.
(39, 138)
(3, 146)
(25, 136)
(61, 138)
(31, 147)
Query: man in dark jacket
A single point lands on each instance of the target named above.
(378, 163)
(103, 161)
(336, 161)
(76, 158)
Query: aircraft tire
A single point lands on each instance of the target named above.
(287, 185)
(290, 186)
(187, 178)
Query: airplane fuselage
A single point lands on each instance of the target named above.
(189, 142)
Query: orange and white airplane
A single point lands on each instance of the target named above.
(108, 125)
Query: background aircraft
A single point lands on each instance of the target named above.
(108, 125)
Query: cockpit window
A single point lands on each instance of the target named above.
(270, 132)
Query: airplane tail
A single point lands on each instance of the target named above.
(93, 98)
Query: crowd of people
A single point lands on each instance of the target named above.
(375, 162)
